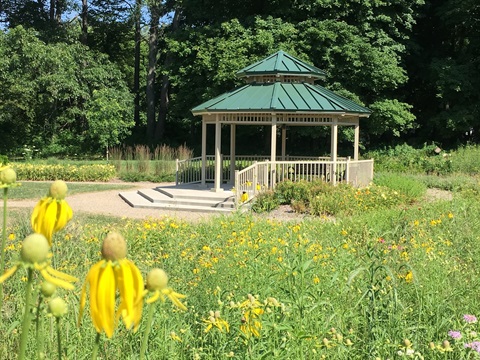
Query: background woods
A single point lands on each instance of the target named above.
(78, 76)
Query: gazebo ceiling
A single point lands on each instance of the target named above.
(282, 97)
(281, 63)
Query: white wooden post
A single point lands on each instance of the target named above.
(273, 151)
(334, 147)
(204, 152)
(232, 152)
(284, 142)
(218, 156)
(357, 141)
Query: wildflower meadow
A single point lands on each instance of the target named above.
(387, 282)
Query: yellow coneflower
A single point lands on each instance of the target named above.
(244, 197)
(214, 320)
(34, 255)
(52, 212)
(114, 272)
(157, 281)
(251, 325)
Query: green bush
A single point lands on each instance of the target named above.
(265, 202)
(66, 172)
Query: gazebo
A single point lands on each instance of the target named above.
(281, 92)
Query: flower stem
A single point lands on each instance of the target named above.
(39, 328)
(151, 310)
(26, 317)
(59, 339)
(96, 346)
(2, 249)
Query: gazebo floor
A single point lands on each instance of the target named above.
(191, 197)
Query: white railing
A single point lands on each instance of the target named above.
(189, 171)
(264, 175)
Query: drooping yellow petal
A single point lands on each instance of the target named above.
(92, 279)
(58, 282)
(61, 275)
(106, 299)
(124, 281)
(8, 273)
(154, 298)
(48, 222)
(64, 214)
(174, 297)
(38, 212)
(138, 286)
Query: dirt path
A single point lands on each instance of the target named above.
(111, 204)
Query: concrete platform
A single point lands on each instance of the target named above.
(192, 197)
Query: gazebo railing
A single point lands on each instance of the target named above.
(189, 171)
(263, 176)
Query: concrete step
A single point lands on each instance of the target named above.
(156, 196)
(145, 198)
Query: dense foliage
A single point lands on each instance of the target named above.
(78, 76)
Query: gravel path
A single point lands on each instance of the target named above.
(111, 204)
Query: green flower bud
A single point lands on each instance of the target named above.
(407, 343)
(35, 249)
(157, 279)
(114, 247)
(47, 289)
(58, 190)
(8, 176)
(58, 307)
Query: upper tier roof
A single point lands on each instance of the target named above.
(281, 63)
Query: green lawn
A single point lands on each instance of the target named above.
(38, 189)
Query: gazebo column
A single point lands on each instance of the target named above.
(273, 152)
(356, 142)
(218, 155)
(204, 152)
(284, 142)
(333, 150)
(233, 129)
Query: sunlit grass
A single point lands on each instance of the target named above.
(38, 189)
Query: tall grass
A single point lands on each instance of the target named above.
(140, 163)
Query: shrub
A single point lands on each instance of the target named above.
(265, 202)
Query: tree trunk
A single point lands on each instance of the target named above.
(136, 76)
(154, 8)
(164, 98)
(84, 37)
(52, 10)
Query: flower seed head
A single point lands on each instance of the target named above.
(8, 176)
(58, 190)
(47, 289)
(114, 247)
(58, 307)
(157, 279)
(35, 249)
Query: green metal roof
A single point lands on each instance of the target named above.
(285, 97)
(281, 63)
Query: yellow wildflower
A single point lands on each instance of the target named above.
(251, 324)
(113, 273)
(52, 212)
(157, 281)
(35, 255)
(214, 320)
